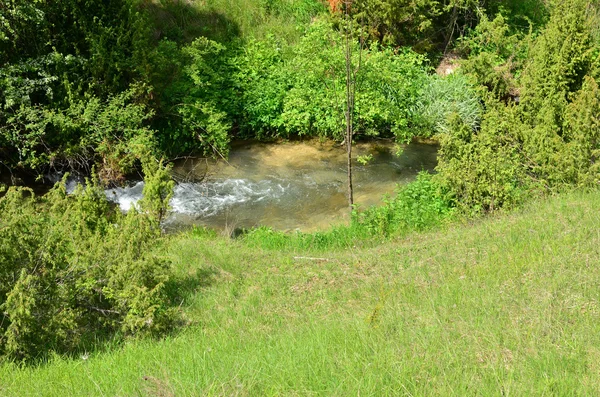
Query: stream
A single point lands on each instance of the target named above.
(286, 186)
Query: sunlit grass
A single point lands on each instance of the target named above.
(226, 20)
(507, 305)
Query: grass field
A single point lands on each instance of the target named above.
(505, 306)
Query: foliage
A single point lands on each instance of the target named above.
(264, 81)
(69, 73)
(551, 139)
(110, 36)
(427, 25)
(302, 94)
(113, 130)
(181, 77)
(522, 15)
(73, 271)
(444, 98)
(204, 107)
(482, 168)
(559, 91)
(158, 189)
(416, 206)
(400, 21)
(495, 56)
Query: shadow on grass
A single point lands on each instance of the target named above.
(182, 22)
(180, 289)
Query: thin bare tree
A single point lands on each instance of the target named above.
(351, 73)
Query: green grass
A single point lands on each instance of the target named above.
(504, 306)
(228, 20)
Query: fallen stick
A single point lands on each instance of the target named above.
(311, 259)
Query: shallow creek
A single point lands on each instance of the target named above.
(287, 186)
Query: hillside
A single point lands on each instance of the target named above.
(507, 305)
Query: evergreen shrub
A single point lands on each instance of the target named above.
(74, 271)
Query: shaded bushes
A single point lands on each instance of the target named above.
(495, 55)
(430, 25)
(72, 89)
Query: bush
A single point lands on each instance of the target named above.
(429, 25)
(264, 81)
(69, 83)
(416, 206)
(73, 271)
(300, 91)
(550, 140)
(112, 131)
(483, 168)
(495, 56)
(444, 98)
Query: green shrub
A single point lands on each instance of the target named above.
(483, 168)
(113, 131)
(70, 74)
(264, 82)
(495, 56)
(550, 140)
(430, 25)
(300, 91)
(74, 271)
(203, 100)
(158, 189)
(416, 206)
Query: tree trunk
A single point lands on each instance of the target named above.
(350, 91)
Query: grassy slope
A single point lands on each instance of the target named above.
(507, 306)
(226, 20)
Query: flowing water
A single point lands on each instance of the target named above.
(287, 186)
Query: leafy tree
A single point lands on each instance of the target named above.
(496, 56)
(300, 90)
(430, 25)
(70, 74)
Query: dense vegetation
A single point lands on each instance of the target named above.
(546, 140)
(73, 270)
(83, 84)
(113, 86)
